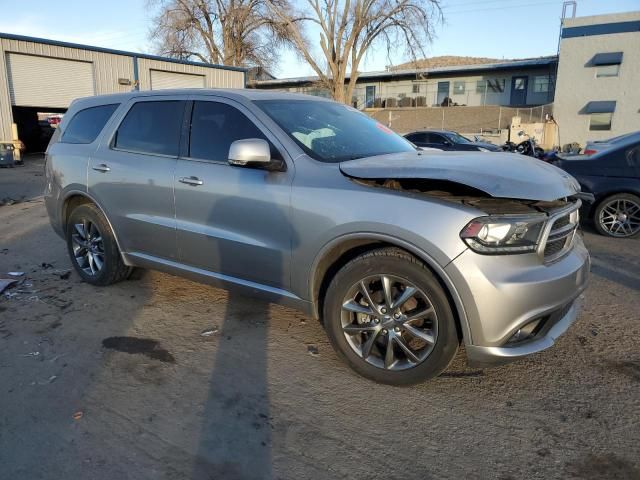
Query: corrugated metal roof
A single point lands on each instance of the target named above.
(58, 43)
(510, 65)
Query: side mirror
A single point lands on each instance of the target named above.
(250, 152)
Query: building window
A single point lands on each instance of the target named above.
(416, 88)
(607, 64)
(541, 84)
(607, 71)
(458, 88)
(600, 121)
(495, 85)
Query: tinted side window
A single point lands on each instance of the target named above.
(151, 127)
(85, 125)
(417, 137)
(214, 127)
(435, 138)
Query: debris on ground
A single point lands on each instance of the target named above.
(313, 350)
(78, 415)
(31, 354)
(6, 282)
(65, 275)
(46, 265)
(15, 274)
(207, 332)
(51, 379)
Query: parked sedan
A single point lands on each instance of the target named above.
(448, 140)
(601, 145)
(613, 176)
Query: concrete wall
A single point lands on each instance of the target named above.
(108, 68)
(577, 83)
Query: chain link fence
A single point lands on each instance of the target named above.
(483, 119)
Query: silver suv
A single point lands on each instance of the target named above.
(403, 254)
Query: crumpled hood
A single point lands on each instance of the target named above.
(502, 175)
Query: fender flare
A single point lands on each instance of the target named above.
(79, 193)
(438, 270)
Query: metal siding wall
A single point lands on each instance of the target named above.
(161, 79)
(6, 117)
(108, 68)
(215, 77)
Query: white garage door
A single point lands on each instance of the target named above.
(161, 80)
(48, 82)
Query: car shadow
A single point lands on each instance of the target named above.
(607, 271)
(235, 439)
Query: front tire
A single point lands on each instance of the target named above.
(387, 316)
(92, 247)
(618, 216)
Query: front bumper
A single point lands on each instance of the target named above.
(502, 294)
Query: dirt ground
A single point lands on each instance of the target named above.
(120, 383)
(22, 182)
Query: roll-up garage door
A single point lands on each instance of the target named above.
(161, 79)
(48, 82)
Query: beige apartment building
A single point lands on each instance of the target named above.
(598, 85)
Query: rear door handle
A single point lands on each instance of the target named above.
(194, 181)
(101, 168)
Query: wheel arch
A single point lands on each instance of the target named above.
(73, 200)
(601, 197)
(343, 249)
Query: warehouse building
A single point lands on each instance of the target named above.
(598, 87)
(516, 83)
(40, 77)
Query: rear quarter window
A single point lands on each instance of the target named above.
(86, 125)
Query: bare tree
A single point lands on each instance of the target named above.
(230, 32)
(349, 28)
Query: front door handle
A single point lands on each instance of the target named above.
(193, 181)
(101, 168)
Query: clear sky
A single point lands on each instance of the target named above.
(483, 28)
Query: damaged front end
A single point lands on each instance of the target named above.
(524, 267)
(509, 225)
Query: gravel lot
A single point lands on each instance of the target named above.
(120, 383)
(22, 182)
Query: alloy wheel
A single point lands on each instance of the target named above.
(88, 247)
(620, 218)
(389, 322)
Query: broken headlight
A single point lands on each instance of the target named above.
(504, 234)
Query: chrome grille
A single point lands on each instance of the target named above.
(561, 230)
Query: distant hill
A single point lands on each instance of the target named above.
(445, 61)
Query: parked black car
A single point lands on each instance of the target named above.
(448, 140)
(613, 177)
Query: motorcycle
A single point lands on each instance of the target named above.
(527, 147)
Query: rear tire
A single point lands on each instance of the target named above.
(403, 306)
(92, 247)
(618, 216)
